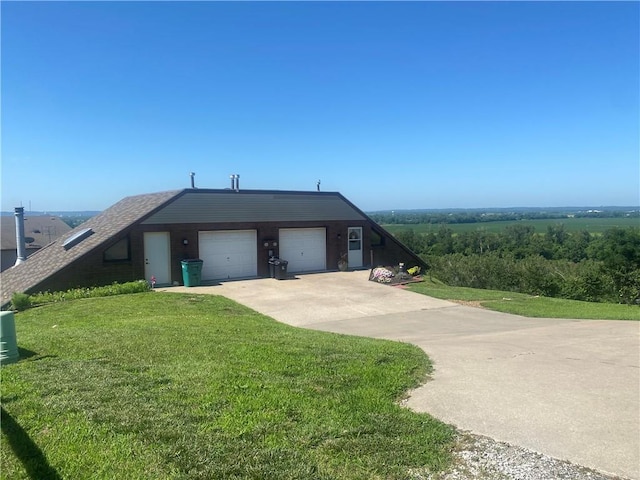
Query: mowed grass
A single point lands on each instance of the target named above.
(168, 386)
(592, 225)
(527, 305)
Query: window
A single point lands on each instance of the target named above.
(355, 242)
(377, 240)
(118, 252)
(77, 238)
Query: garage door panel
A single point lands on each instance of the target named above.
(304, 248)
(228, 254)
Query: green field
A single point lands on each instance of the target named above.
(592, 225)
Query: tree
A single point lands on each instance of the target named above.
(517, 239)
(619, 250)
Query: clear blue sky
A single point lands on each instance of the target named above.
(395, 105)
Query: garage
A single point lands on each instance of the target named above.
(304, 248)
(228, 254)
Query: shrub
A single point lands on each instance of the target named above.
(538, 276)
(588, 281)
(20, 301)
(115, 288)
(629, 289)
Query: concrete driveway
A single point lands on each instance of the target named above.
(566, 388)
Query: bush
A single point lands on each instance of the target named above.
(539, 277)
(20, 301)
(629, 288)
(588, 280)
(489, 271)
(42, 298)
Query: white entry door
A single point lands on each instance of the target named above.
(355, 247)
(157, 257)
(228, 254)
(304, 248)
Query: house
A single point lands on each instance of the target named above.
(39, 231)
(234, 232)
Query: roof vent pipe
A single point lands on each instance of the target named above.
(235, 181)
(20, 241)
(193, 179)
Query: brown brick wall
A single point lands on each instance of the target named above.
(91, 270)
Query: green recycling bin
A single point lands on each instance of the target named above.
(192, 272)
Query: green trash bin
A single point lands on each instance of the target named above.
(192, 272)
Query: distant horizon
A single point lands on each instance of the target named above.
(569, 208)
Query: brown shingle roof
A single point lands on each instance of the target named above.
(43, 229)
(52, 258)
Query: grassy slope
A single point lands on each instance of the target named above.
(165, 386)
(527, 305)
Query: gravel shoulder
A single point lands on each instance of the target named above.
(477, 457)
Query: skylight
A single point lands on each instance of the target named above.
(77, 238)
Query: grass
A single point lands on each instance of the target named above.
(527, 305)
(168, 386)
(592, 225)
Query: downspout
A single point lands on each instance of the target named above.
(20, 241)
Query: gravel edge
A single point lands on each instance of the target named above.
(477, 457)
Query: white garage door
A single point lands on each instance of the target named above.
(228, 254)
(304, 248)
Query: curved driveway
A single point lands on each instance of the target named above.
(566, 388)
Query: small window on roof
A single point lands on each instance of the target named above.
(118, 252)
(76, 238)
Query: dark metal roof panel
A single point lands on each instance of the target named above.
(230, 206)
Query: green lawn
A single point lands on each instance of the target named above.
(168, 386)
(527, 305)
(592, 225)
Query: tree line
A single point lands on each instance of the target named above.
(414, 217)
(558, 263)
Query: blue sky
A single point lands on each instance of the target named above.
(394, 104)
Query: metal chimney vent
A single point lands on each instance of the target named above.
(235, 182)
(21, 246)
